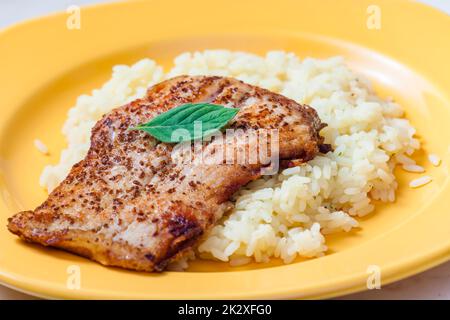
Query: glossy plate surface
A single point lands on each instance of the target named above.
(45, 66)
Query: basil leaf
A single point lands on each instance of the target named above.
(188, 122)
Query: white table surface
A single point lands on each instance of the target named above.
(432, 284)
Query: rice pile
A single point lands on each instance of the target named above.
(288, 214)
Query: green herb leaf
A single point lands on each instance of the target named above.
(188, 122)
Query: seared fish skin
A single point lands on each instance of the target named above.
(130, 204)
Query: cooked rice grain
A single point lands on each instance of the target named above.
(40, 146)
(413, 168)
(419, 182)
(434, 159)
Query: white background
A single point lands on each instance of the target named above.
(433, 284)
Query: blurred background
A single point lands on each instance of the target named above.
(12, 11)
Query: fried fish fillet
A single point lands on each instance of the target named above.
(131, 203)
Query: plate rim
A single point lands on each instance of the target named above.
(440, 255)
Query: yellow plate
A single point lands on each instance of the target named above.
(44, 66)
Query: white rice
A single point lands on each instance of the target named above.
(40, 146)
(285, 215)
(413, 168)
(434, 160)
(416, 183)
